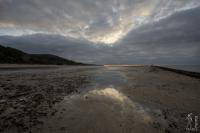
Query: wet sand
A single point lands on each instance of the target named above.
(97, 99)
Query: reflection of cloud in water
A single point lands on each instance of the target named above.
(103, 110)
(109, 92)
(117, 98)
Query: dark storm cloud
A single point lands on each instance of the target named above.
(174, 39)
(180, 27)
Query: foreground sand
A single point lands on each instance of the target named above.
(93, 99)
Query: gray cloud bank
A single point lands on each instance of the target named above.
(98, 21)
(173, 40)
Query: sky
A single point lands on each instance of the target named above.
(105, 31)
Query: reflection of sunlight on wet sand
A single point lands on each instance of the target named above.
(102, 110)
(121, 100)
(109, 92)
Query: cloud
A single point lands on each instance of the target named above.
(144, 32)
(177, 28)
(105, 21)
(173, 40)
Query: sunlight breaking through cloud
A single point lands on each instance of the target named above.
(104, 22)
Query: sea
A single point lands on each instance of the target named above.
(192, 68)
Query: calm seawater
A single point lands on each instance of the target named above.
(192, 68)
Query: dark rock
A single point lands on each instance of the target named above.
(156, 125)
(38, 98)
(167, 131)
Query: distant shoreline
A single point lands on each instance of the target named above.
(30, 66)
(179, 71)
(41, 66)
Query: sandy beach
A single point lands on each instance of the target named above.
(96, 99)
